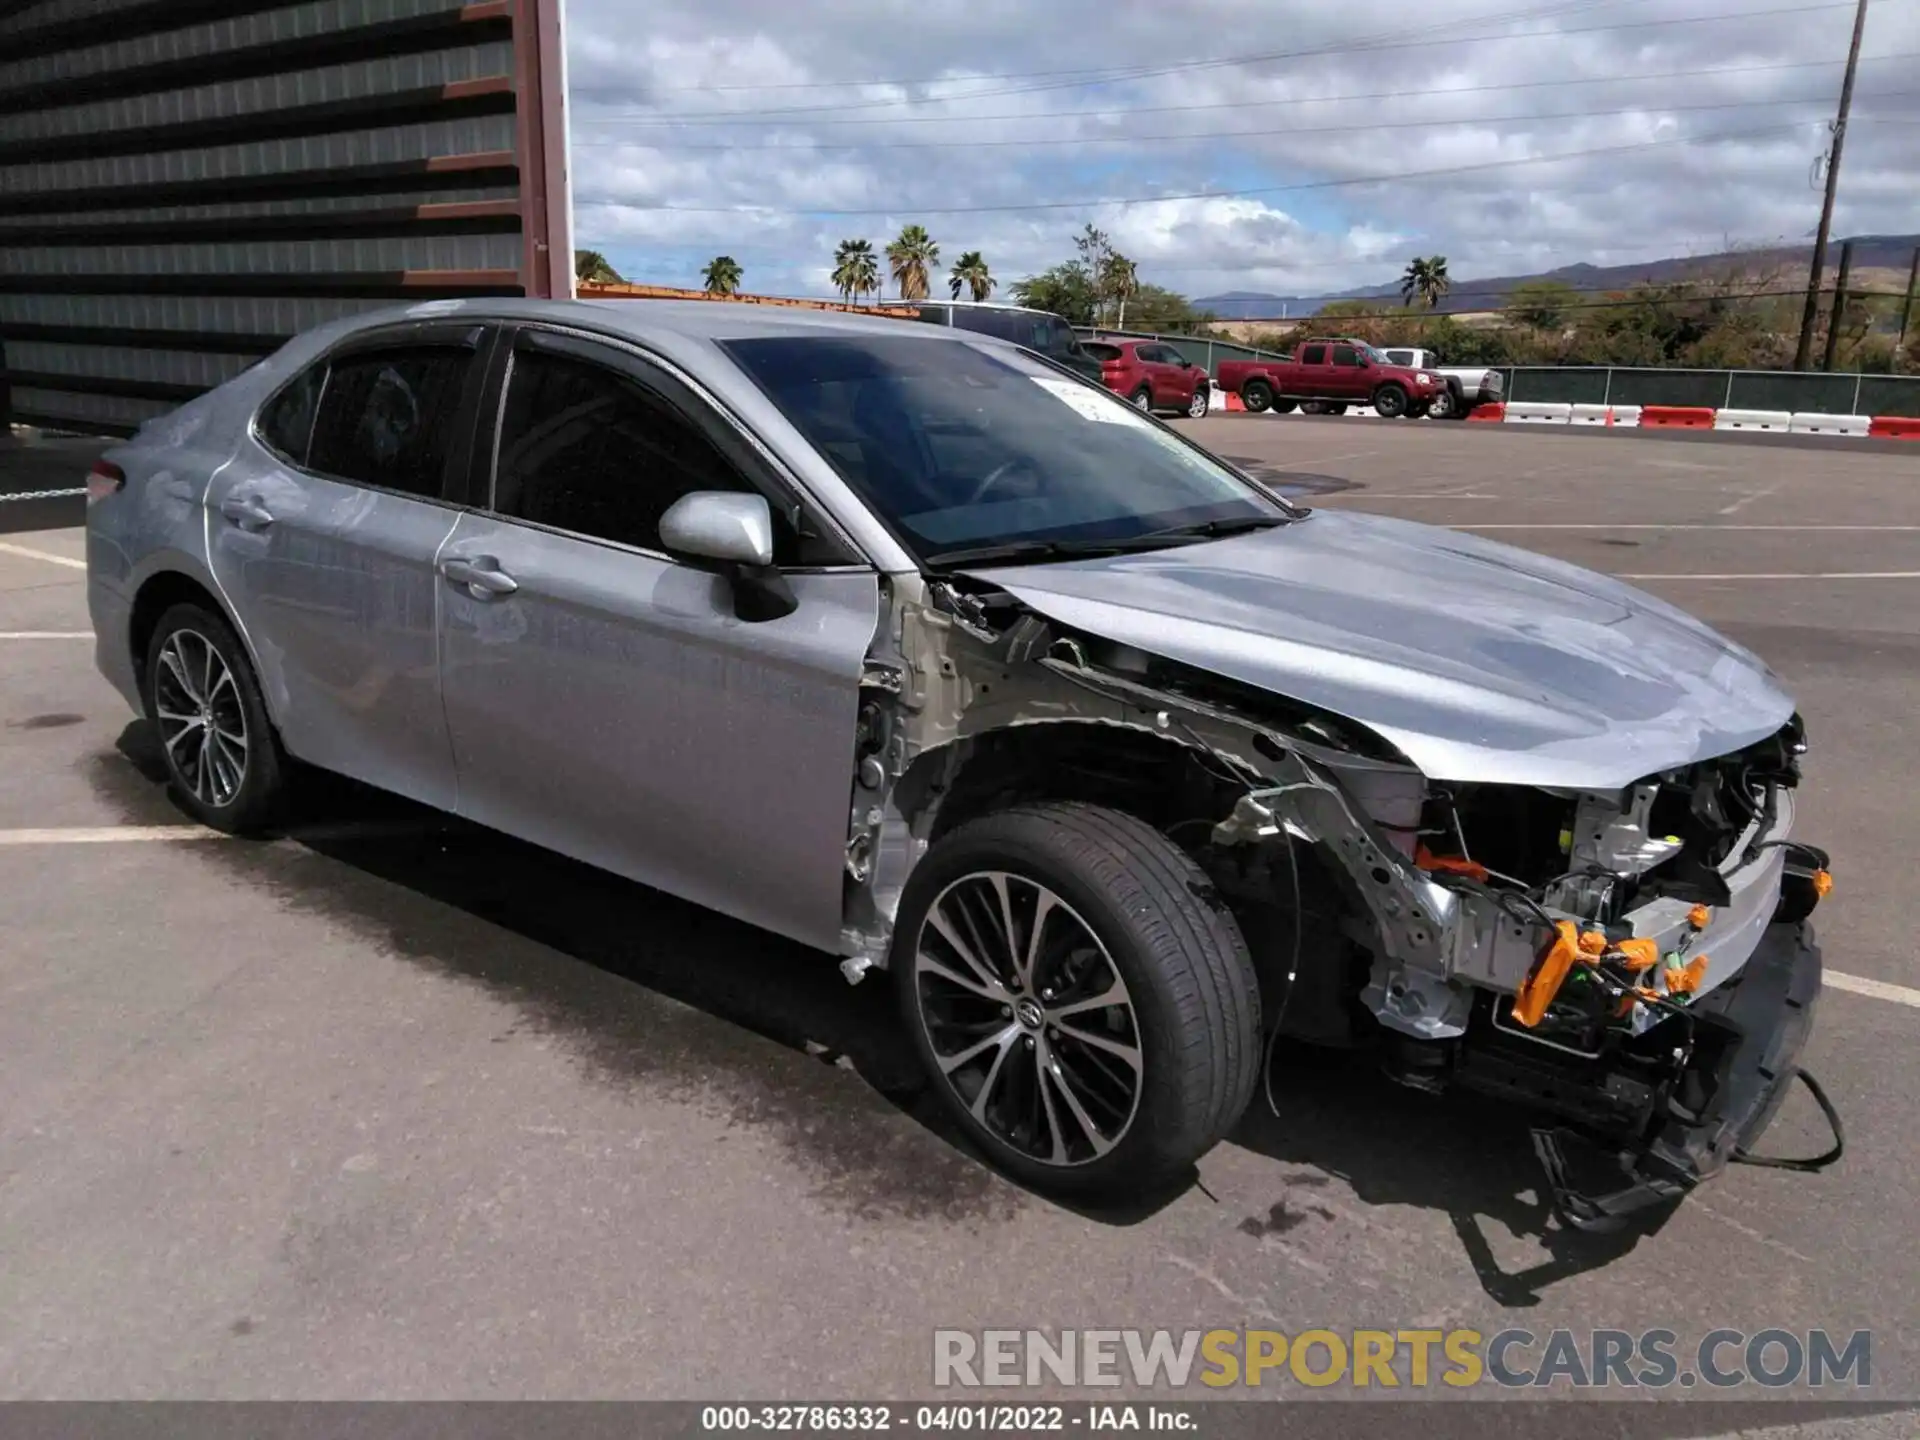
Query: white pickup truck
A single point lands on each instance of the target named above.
(1468, 386)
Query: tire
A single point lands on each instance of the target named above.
(1202, 398)
(1444, 405)
(1283, 407)
(1149, 930)
(1390, 402)
(1142, 399)
(194, 652)
(1418, 410)
(1315, 407)
(1256, 395)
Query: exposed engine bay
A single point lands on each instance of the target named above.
(1633, 962)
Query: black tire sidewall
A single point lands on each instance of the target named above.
(1159, 1117)
(1390, 402)
(262, 788)
(1256, 396)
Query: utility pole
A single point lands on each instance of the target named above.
(1811, 316)
(1906, 308)
(1839, 309)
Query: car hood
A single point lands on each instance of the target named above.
(1480, 662)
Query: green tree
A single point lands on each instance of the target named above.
(593, 268)
(1119, 282)
(856, 270)
(722, 275)
(1066, 290)
(911, 258)
(1164, 311)
(1426, 278)
(1542, 304)
(970, 273)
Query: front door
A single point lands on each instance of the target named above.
(604, 700)
(324, 535)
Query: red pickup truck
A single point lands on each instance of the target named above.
(1326, 376)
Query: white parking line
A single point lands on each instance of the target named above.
(107, 834)
(1874, 989)
(1786, 575)
(26, 554)
(46, 634)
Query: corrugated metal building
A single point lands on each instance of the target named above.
(186, 183)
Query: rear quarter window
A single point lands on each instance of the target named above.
(286, 421)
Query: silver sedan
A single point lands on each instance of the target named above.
(909, 645)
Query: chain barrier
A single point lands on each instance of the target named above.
(43, 494)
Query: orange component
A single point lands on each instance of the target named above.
(1448, 864)
(1593, 942)
(1640, 954)
(1685, 980)
(1822, 883)
(1699, 917)
(1549, 973)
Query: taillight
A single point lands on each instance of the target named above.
(106, 478)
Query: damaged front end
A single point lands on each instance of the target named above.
(1636, 963)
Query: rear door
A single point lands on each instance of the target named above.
(324, 537)
(603, 697)
(1314, 379)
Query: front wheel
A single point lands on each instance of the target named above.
(1390, 402)
(1197, 406)
(221, 754)
(1083, 1002)
(1256, 395)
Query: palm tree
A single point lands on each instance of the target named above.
(722, 275)
(1120, 280)
(592, 267)
(911, 258)
(856, 270)
(970, 272)
(1425, 278)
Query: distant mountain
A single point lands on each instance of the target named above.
(1871, 252)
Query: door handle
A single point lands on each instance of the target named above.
(249, 512)
(482, 576)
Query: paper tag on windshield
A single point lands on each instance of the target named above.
(1088, 403)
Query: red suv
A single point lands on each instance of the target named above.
(1152, 375)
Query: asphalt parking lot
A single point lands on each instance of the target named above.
(391, 1107)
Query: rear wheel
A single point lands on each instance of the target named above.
(1256, 395)
(1283, 407)
(1418, 410)
(1197, 406)
(1084, 1006)
(1390, 401)
(220, 750)
(1142, 399)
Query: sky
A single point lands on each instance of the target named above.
(1292, 147)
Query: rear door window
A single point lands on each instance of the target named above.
(387, 418)
(1313, 354)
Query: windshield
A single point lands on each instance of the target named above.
(959, 446)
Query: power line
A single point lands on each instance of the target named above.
(1432, 172)
(1368, 47)
(810, 147)
(625, 118)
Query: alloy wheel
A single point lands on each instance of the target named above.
(1028, 1018)
(202, 722)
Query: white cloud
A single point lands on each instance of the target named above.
(704, 126)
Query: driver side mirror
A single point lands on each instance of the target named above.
(736, 530)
